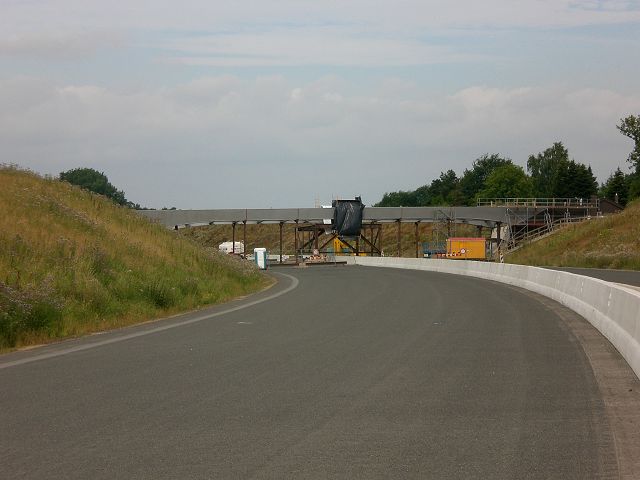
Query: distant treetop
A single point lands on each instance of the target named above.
(96, 182)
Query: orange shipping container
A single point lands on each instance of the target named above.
(467, 248)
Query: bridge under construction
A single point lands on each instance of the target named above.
(508, 219)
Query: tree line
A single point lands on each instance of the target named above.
(549, 174)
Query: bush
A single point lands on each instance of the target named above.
(159, 294)
(27, 311)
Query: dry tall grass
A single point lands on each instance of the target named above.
(73, 262)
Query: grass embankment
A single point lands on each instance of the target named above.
(268, 236)
(607, 242)
(72, 262)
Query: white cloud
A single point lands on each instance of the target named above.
(389, 14)
(606, 5)
(327, 45)
(287, 32)
(229, 139)
(58, 45)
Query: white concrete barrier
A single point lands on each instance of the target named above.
(613, 309)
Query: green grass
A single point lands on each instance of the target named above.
(72, 262)
(606, 242)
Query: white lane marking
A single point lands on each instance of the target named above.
(79, 348)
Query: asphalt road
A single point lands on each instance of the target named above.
(356, 373)
(627, 277)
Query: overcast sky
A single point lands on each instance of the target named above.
(219, 104)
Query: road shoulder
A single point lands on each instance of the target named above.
(618, 384)
(285, 284)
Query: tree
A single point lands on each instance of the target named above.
(445, 190)
(423, 196)
(398, 199)
(96, 182)
(507, 181)
(545, 170)
(634, 186)
(575, 180)
(473, 180)
(585, 183)
(616, 187)
(630, 127)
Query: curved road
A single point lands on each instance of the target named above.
(355, 373)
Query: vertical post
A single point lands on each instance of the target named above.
(295, 241)
(233, 238)
(498, 240)
(244, 236)
(417, 238)
(281, 225)
(316, 232)
(371, 241)
(399, 240)
(358, 246)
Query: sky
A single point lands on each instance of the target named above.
(265, 103)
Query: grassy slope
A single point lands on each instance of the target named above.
(609, 242)
(72, 262)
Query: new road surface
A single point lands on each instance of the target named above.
(336, 372)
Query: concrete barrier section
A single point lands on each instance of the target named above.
(613, 309)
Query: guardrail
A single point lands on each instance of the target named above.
(612, 309)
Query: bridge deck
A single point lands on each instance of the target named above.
(482, 216)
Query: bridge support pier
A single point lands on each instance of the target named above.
(498, 240)
(295, 242)
(233, 238)
(244, 237)
(372, 240)
(281, 225)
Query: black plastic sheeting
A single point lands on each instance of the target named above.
(347, 217)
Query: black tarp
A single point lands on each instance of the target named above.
(347, 217)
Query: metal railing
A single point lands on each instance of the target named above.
(539, 202)
(527, 236)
